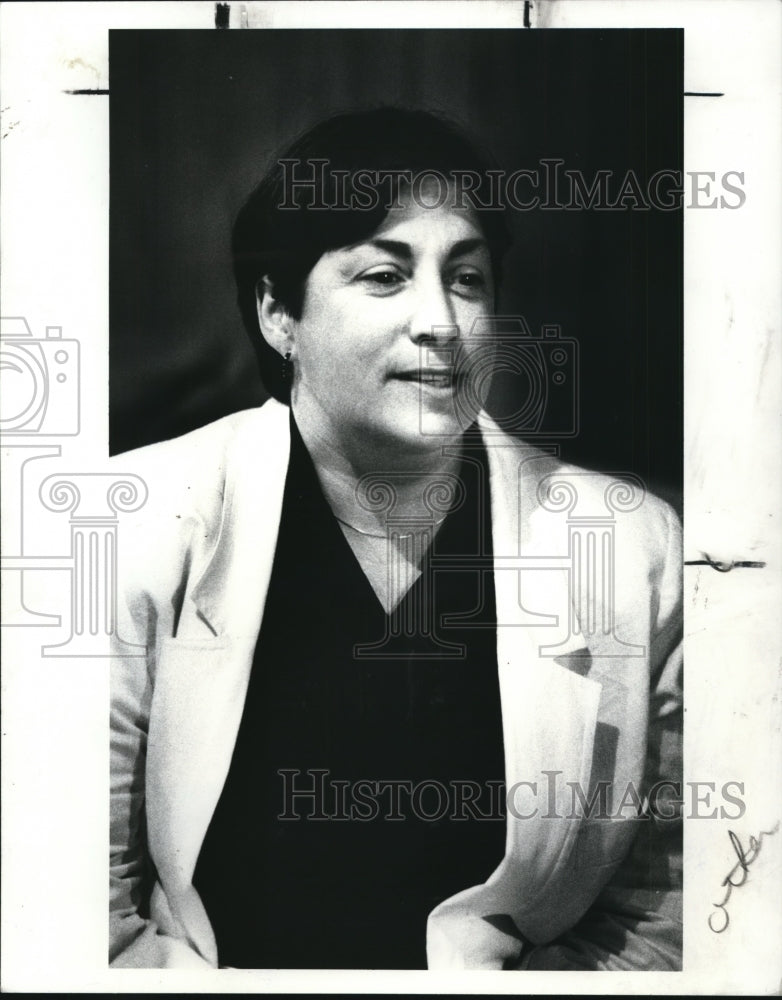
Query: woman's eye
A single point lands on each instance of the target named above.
(385, 277)
(469, 279)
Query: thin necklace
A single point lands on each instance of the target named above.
(371, 534)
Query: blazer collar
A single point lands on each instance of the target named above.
(228, 597)
(230, 594)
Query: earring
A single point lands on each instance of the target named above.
(287, 367)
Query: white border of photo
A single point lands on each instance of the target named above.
(55, 202)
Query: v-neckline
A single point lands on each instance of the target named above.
(307, 477)
(383, 566)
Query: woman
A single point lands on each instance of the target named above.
(353, 611)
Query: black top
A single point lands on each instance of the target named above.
(363, 789)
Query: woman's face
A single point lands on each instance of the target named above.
(382, 324)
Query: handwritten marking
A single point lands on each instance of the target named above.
(724, 567)
(745, 859)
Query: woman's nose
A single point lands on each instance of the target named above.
(433, 317)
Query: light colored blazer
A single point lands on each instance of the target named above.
(194, 567)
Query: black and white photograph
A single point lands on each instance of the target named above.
(377, 462)
(338, 588)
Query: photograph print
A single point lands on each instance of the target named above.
(396, 350)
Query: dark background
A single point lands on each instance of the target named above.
(196, 117)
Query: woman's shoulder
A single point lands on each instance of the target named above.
(537, 477)
(185, 483)
(196, 463)
(212, 441)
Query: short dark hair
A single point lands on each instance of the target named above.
(284, 229)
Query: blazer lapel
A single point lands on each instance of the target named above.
(203, 672)
(549, 713)
(549, 709)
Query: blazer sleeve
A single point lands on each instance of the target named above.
(136, 939)
(636, 921)
(161, 550)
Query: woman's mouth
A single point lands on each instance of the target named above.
(438, 378)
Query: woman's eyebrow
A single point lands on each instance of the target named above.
(395, 247)
(462, 247)
(405, 251)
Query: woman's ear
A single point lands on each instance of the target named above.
(273, 318)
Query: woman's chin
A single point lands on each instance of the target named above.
(424, 430)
